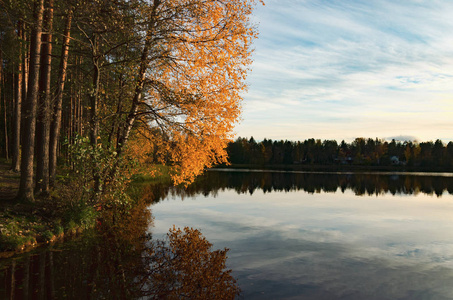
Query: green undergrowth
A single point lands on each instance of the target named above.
(67, 210)
(25, 225)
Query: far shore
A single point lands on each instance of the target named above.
(338, 168)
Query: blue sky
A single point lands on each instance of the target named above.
(346, 69)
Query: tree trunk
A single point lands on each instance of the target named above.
(44, 118)
(26, 62)
(95, 122)
(30, 108)
(94, 118)
(56, 124)
(94, 104)
(17, 106)
(125, 132)
(5, 124)
(1, 84)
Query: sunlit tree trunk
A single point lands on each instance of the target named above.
(56, 123)
(25, 68)
(30, 108)
(44, 119)
(17, 106)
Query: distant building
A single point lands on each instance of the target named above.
(395, 160)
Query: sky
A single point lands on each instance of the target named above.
(344, 69)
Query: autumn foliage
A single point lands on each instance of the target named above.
(197, 74)
(162, 79)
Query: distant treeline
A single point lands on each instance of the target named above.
(248, 182)
(362, 151)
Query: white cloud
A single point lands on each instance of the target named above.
(337, 69)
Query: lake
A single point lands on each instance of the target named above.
(325, 236)
(290, 235)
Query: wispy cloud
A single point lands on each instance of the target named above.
(341, 69)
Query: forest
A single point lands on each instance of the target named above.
(361, 151)
(94, 85)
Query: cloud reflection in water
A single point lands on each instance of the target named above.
(300, 245)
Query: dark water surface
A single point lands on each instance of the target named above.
(290, 235)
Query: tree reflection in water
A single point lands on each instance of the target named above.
(187, 268)
(120, 260)
(359, 183)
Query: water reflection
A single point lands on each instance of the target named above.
(120, 260)
(360, 183)
(292, 237)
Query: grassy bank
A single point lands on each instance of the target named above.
(24, 226)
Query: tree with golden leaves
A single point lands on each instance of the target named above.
(194, 59)
(170, 71)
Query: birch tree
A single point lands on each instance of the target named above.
(191, 76)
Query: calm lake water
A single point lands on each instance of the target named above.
(290, 235)
(324, 236)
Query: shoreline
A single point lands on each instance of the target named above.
(337, 168)
(52, 218)
(27, 226)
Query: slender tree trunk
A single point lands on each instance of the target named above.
(56, 124)
(26, 63)
(94, 117)
(5, 124)
(30, 108)
(70, 119)
(17, 107)
(119, 107)
(1, 84)
(125, 132)
(25, 69)
(94, 104)
(80, 110)
(45, 111)
(95, 121)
